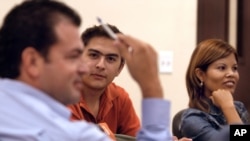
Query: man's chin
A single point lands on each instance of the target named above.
(75, 97)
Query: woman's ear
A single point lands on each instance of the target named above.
(200, 74)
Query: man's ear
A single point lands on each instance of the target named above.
(31, 62)
(120, 68)
(200, 74)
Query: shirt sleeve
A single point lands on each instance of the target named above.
(155, 120)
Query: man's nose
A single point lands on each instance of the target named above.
(101, 63)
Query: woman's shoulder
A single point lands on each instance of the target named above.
(198, 119)
(189, 111)
(192, 114)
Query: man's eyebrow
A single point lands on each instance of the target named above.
(109, 54)
(93, 50)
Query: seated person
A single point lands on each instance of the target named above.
(102, 101)
(211, 79)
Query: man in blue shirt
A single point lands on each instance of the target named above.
(41, 70)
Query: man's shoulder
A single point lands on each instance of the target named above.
(114, 88)
(117, 92)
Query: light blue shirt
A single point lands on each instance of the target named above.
(28, 114)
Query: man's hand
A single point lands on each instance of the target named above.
(141, 60)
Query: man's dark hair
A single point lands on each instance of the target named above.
(30, 24)
(98, 31)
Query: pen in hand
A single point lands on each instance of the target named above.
(107, 29)
(110, 32)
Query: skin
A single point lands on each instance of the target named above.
(142, 52)
(222, 74)
(182, 139)
(60, 74)
(104, 62)
(220, 81)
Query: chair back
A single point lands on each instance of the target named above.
(176, 124)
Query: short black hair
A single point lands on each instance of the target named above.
(98, 31)
(30, 24)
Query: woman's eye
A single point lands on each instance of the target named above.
(221, 67)
(235, 68)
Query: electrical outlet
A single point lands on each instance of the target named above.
(165, 61)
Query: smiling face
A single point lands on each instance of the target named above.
(221, 74)
(104, 62)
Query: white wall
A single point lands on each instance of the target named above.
(168, 25)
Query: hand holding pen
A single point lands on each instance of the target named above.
(110, 32)
(141, 61)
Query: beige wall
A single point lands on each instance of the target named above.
(168, 25)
